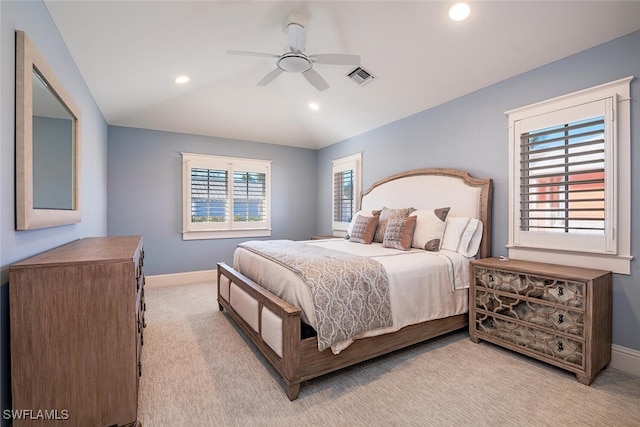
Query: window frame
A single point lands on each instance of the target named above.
(613, 251)
(352, 162)
(227, 229)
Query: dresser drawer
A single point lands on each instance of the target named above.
(543, 342)
(540, 314)
(564, 292)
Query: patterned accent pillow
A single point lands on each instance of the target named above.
(353, 221)
(364, 229)
(399, 233)
(429, 228)
(385, 215)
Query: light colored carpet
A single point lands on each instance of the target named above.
(199, 371)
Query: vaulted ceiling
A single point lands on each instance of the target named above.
(130, 52)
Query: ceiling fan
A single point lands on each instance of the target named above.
(294, 60)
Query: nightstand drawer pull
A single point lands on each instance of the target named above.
(560, 318)
(560, 346)
(560, 290)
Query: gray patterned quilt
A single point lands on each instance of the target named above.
(350, 293)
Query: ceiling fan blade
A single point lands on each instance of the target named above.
(246, 53)
(336, 59)
(270, 77)
(315, 79)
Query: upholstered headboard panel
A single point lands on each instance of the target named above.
(436, 188)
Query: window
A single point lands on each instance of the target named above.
(225, 197)
(346, 173)
(570, 183)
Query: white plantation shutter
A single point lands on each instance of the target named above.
(225, 197)
(562, 178)
(343, 190)
(249, 198)
(209, 195)
(563, 188)
(346, 189)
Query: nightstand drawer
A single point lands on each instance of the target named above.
(543, 342)
(543, 315)
(564, 292)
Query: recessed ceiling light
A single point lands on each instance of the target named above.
(459, 12)
(181, 79)
(314, 106)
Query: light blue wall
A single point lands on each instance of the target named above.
(470, 133)
(143, 173)
(145, 194)
(33, 18)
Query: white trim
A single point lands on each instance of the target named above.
(224, 234)
(185, 278)
(625, 359)
(617, 256)
(619, 264)
(575, 98)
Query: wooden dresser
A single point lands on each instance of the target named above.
(76, 321)
(554, 313)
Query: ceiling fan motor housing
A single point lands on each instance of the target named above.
(296, 37)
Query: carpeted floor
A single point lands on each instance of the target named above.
(199, 371)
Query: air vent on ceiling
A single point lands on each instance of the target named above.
(360, 76)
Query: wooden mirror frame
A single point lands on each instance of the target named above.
(28, 60)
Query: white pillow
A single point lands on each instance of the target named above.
(462, 235)
(430, 225)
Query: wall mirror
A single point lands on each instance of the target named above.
(47, 144)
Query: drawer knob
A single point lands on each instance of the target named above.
(560, 346)
(560, 318)
(560, 290)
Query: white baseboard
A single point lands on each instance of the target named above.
(187, 278)
(625, 359)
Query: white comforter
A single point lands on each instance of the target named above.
(423, 285)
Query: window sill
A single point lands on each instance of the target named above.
(619, 264)
(224, 234)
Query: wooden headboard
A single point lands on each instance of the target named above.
(436, 188)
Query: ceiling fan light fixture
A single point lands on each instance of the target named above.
(294, 63)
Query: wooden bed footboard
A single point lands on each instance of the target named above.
(272, 324)
(274, 327)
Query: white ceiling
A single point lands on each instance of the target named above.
(129, 52)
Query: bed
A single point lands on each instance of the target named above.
(267, 299)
